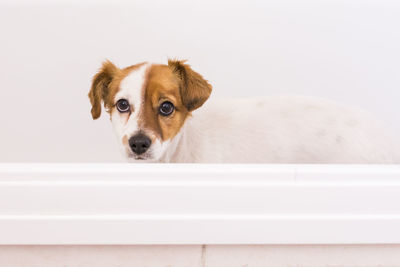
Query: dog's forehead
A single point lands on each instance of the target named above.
(137, 78)
(132, 84)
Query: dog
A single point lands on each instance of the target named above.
(161, 113)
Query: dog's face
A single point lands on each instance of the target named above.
(148, 104)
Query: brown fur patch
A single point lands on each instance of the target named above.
(194, 89)
(99, 89)
(125, 140)
(178, 84)
(162, 85)
(105, 85)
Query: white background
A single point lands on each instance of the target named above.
(347, 51)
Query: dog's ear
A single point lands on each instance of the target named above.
(194, 89)
(99, 90)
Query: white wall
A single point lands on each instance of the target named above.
(344, 50)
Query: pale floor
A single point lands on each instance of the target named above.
(201, 256)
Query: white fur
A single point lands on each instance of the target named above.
(131, 88)
(281, 129)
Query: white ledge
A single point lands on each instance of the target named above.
(199, 204)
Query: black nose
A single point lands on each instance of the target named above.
(139, 143)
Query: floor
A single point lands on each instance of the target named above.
(201, 256)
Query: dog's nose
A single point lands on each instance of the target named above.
(139, 143)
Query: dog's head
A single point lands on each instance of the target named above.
(148, 103)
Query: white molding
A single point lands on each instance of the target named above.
(199, 204)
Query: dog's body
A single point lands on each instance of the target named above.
(281, 129)
(276, 129)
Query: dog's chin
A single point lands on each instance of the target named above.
(150, 156)
(140, 158)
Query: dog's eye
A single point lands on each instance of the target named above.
(166, 108)
(123, 105)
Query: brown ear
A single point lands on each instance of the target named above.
(194, 90)
(99, 90)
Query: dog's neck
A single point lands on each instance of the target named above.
(178, 148)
